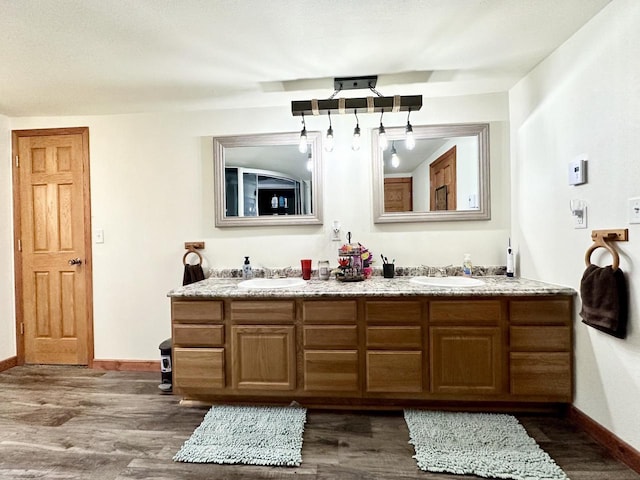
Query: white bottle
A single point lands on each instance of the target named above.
(511, 269)
(466, 265)
(247, 273)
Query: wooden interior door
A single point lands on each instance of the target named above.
(442, 172)
(53, 257)
(398, 194)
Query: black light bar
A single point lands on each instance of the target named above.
(359, 105)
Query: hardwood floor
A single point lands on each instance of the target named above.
(69, 423)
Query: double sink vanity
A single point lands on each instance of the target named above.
(382, 343)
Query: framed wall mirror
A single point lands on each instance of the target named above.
(444, 177)
(266, 180)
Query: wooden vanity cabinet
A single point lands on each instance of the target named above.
(394, 346)
(330, 360)
(466, 342)
(263, 345)
(198, 345)
(375, 351)
(540, 354)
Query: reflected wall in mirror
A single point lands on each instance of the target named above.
(444, 177)
(266, 180)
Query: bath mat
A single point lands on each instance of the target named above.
(249, 435)
(483, 444)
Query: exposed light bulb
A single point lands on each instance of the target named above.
(310, 163)
(303, 141)
(328, 146)
(395, 160)
(355, 141)
(409, 139)
(383, 142)
(302, 146)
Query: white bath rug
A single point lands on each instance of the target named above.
(483, 444)
(249, 435)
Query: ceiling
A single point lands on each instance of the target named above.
(76, 57)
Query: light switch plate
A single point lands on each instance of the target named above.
(634, 210)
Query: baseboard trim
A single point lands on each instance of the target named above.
(8, 363)
(617, 447)
(127, 365)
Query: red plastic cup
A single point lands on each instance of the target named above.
(306, 268)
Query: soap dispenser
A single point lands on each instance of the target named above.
(247, 273)
(467, 265)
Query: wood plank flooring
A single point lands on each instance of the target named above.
(70, 423)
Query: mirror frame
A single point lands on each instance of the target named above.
(481, 130)
(314, 140)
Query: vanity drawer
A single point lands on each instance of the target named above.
(540, 338)
(541, 374)
(540, 312)
(329, 311)
(409, 337)
(335, 336)
(198, 368)
(487, 312)
(196, 311)
(331, 370)
(261, 311)
(198, 335)
(394, 311)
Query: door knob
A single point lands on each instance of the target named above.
(75, 261)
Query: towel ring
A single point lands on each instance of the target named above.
(184, 258)
(599, 242)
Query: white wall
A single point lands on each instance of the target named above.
(7, 311)
(151, 188)
(584, 98)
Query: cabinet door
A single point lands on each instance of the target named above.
(263, 357)
(466, 360)
(331, 370)
(198, 368)
(394, 371)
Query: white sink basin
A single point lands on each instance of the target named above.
(266, 283)
(447, 282)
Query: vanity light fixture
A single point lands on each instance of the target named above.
(395, 160)
(303, 138)
(370, 104)
(355, 142)
(328, 146)
(409, 139)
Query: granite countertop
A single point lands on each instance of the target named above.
(373, 287)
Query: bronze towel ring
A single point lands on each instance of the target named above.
(191, 250)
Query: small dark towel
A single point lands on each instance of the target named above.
(192, 274)
(604, 300)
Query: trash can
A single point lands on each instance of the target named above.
(165, 366)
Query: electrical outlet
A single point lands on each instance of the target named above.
(335, 231)
(580, 219)
(634, 210)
